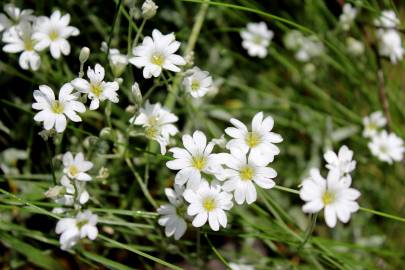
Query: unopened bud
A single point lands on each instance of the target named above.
(106, 133)
(149, 9)
(136, 92)
(84, 55)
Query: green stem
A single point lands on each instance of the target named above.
(217, 253)
(139, 32)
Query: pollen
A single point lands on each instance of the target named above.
(252, 139)
(73, 170)
(158, 59)
(96, 89)
(57, 107)
(209, 204)
(199, 162)
(246, 173)
(53, 35)
(328, 198)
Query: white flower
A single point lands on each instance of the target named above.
(173, 214)
(19, 39)
(387, 147)
(260, 140)
(354, 46)
(343, 161)
(293, 39)
(54, 112)
(347, 17)
(14, 16)
(310, 47)
(391, 45)
(256, 38)
(195, 159)
(76, 167)
(235, 266)
(241, 175)
(149, 9)
(118, 61)
(73, 229)
(158, 123)
(334, 195)
(97, 89)
(372, 123)
(208, 203)
(157, 53)
(387, 19)
(53, 32)
(197, 82)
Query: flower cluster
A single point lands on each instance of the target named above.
(207, 183)
(390, 43)
(306, 47)
(346, 19)
(387, 147)
(333, 193)
(29, 35)
(72, 193)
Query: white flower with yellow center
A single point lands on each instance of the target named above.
(197, 82)
(74, 229)
(76, 167)
(373, 123)
(195, 159)
(260, 140)
(243, 173)
(256, 38)
(13, 16)
(331, 194)
(53, 112)
(387, 147)
(346, 19)
(53, 32)
(157, 122)
(173, 215)
(19, 39)
(97, 89)
(208, 203)
(157, 53)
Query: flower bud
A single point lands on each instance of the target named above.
(84, 55)
(136, 92)
(149, 9)
(106, 133)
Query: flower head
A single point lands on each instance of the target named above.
(53, 112)
(372, 123)
(331, 194)
(173, 215)
(387, 147)
(208, 203)
(256, 38)
(194, 159)
(74, 229)
(76, 167)
(387, 19)
(157, 53)
(347, 17)
(53, 32)
(342, 161)
(259, 140)
(157, 122)
(14, 16)
(149, 9)
(197, 82)
(391, 45)
(96, 88)
(19, 39)
(241, 175)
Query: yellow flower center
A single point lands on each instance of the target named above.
(209, 204)
(53, 35)
(252, 139)
(81, 223)
(96, 89)
(73, 171)
(257, 39)
(158, 59)
(153, 120)
(28, 44)
(199, 162)
(195, 85)
(57, 107)
(246, 173)
(328, 198)
(151, 132)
